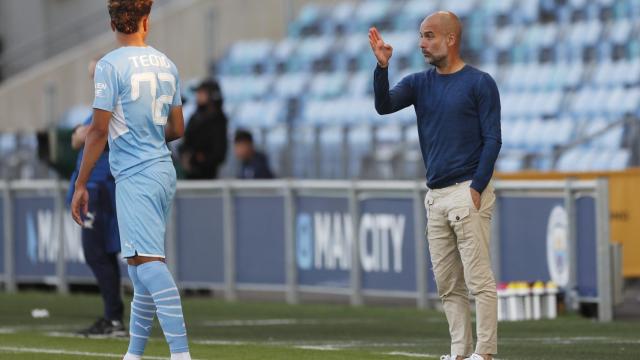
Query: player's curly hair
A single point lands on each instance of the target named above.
(126, 14)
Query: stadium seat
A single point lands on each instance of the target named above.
(559, 77)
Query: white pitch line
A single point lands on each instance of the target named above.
(408, 354)
(417, 355)
(222, 342)
(317, 347)
(572, 340)
(261, 322)
(78, 336)
(12, 349)
(280, 322)
(19, 328)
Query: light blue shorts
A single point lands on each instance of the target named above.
(143, 203)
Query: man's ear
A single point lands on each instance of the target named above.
(113, 26)
(451, 39)
(145, 23)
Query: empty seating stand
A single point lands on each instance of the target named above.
(568, 73)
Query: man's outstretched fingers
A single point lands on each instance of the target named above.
(376, 35)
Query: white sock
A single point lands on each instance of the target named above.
(129, 356)
(181, 356)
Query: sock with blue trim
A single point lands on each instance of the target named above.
(155, 276)
(142, 312)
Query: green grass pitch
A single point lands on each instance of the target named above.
(249, 330)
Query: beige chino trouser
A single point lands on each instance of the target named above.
(458, 236)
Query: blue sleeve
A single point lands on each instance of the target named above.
(488, 102)
(398, 98)
(177, 96)
(72, 186)
(105, 80)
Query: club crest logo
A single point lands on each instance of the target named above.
(558, 246)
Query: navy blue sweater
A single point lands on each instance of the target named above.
(255, 168)
(458, 121)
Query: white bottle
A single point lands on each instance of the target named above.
(537, 291)
(512, 302)
(503, 313)
(551, 300)
(526, 293)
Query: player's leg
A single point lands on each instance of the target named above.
(100, 262)
(143, 310)
(113, 296)
(114, 307)
(156, 277)
(107, 272)
(142, 306)
(448, 272)
(159, 184)
(473, 232)
(109, 265)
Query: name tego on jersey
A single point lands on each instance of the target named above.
(138, 85)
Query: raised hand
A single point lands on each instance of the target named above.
(381, 50)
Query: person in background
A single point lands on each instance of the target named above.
(253, 164)
(205, 140)
(100, 236)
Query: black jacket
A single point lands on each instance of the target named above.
(206, 134)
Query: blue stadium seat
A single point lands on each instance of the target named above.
(275, 145)
(303, 152)
(292, 84)
(619, 159)
(413, 13)
(563, 69)
(369, 13)
(511, 161)
(331, 138)
(328, 85)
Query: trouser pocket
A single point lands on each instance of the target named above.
(457, 219)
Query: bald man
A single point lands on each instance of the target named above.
(458, 115)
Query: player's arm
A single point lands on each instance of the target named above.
(174, 129)
(78, 136)
(175, 124)
(94, 144)
(488, 100)
(387, 101)
(105, 99)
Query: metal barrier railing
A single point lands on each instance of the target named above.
(354, 238)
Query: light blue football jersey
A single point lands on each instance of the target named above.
(138, 85)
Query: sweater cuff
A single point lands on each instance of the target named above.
(380, 68)
(477, 186)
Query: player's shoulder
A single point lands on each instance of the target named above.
(156, 52)
(415, 76)
(481, 81)
(478, 73)
(113, 61)
(113, 56)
